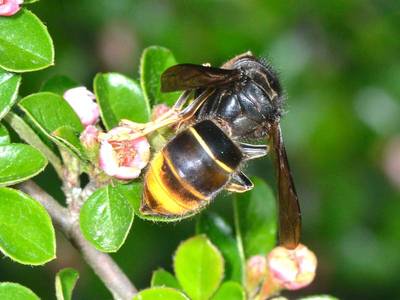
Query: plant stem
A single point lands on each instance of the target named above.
(102, 264)
(239, 240)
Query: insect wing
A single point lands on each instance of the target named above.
(188, 76)
(289, 208)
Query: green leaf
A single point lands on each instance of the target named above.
(58, 85)
(160, 293)
(18, 162)
(163, 278)
(257, 218)
(319, 297)
(4, 137)
(155, 60)
(30, 1)
(49, 111)
(29, 135)
(25, 44)
(15, 291)
(221, 235)
(119, 98)
(106, 218)
(9, 85)
(65, 283)
(26, 232)
(69, 139)
(134, 192)
(230, 290)
(199, 267)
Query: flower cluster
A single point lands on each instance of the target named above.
(118, 154)
(121, 154)
(280, 269)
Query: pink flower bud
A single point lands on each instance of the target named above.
(122, 157)
(82, 102)
(90, 137)
(159, 110)
(9, 7)
(292, 269)
(256, 269)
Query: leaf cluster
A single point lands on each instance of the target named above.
(210, 265)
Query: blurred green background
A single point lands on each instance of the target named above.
(339, 62)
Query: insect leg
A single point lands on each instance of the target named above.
(193, 107)
(181, 101)
(239, 183)
(167, 115)
(175, 115)
(253, 151)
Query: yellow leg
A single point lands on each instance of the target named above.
(174, 115)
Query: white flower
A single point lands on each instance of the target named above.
(82, 102)
(122, 157)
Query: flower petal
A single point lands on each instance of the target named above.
(9, 8)
(292, 269)
(127, 173)
(108, 161)
(122, 157)
(82, 102)
(142, 148)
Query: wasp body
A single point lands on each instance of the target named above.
(240, 101)
(190, 170)
(248, 105)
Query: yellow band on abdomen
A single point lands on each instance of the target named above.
(207, 149)
(166, 199)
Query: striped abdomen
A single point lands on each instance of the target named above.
(187, 173)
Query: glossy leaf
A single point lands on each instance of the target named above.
(155, 60)
(59, 84)
(160, 293)
(164, 278)
(30, 1)
(133, 193)
(25, 44)
(26, 133)
(230, 290)
(15, 291)
(45, 137)
(221, 235)
(26, 232)
(257, 218)
(69, 139)
(65, 283)
(106, 218)
(199, 267)
(49, 111)
(9, 85)
(119, 98)
(4, 136)
(18, 162)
